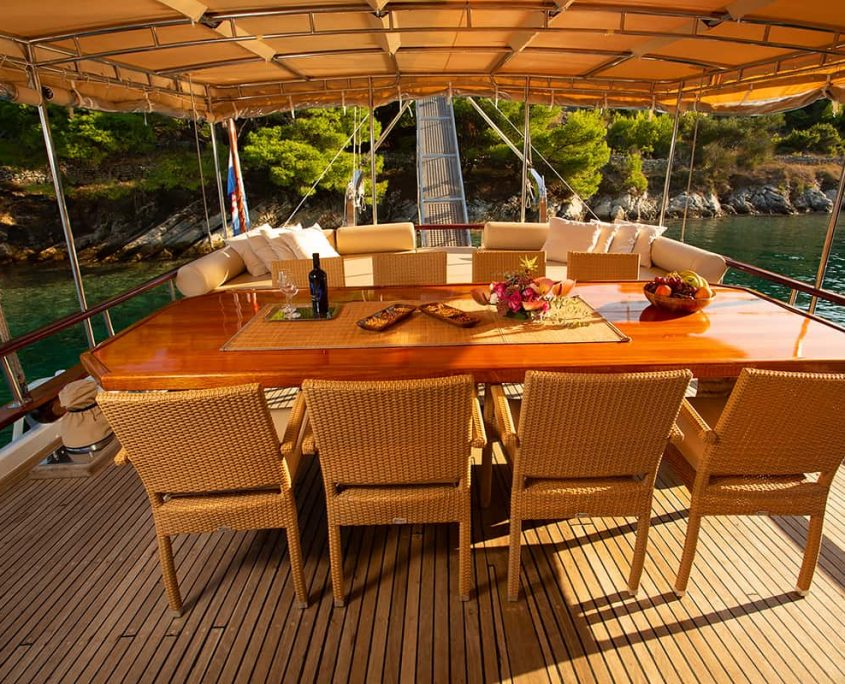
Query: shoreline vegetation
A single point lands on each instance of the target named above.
(134, 186)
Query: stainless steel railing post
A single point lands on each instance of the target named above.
(60, 199)
(19, 394)
(828, 238)
(109, 326)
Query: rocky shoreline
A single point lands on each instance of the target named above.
(171, 227)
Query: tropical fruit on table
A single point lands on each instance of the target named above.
(693, 279)
(683, 292)
(681, 285)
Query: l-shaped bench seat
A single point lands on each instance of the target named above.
(224, 269)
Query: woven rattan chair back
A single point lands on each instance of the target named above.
(489, 265)
(417, 268)
(779, 423)
(197, 441)
(596, 425)
(298, 270)
(396, 432)
(584, 266)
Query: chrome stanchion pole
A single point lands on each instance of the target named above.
(526, 153)
(373, 154)
(220, 194)
(670, 162)
(828, 238)
(60, 199)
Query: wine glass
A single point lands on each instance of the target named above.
(289, 289)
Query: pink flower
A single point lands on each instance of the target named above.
(529, 294)
(514, 301)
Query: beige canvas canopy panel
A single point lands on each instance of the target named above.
(224, 58)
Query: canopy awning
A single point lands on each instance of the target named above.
(241, 58)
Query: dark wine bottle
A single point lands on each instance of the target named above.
(318, 284)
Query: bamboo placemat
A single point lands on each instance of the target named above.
(419, 330)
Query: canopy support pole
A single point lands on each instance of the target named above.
(669, 162)
(689, 177)
(526, 152)
(373, 155)
(219, 181)
(828, 239)
(60, 200)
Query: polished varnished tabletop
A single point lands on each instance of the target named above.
(178, 347)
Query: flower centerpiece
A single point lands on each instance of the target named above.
(522, 295)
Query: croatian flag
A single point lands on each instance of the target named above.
(235, 186)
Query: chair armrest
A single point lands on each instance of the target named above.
(121, 457)
(705, 432)
(479, 434)
(297, 421)
(504, 418)
(676, 436)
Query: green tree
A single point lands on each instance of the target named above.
(573, 142)
(632, 174)
(90, 137)
(644, 132)
(577, 149)
(728, 145)
(294, 153)
(820, 138)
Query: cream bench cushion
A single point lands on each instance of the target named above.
(511, 235)
(671, 255)
(209, 272)
(371, 239)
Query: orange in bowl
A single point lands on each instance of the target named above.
(679, 304)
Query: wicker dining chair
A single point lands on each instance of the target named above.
(489, 265)
(396, 452)
(210, 459)
(298, 270)
(585, 266)
(414, 268)
(586, 445)
(759, 451)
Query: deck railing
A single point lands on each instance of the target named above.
(28, 401)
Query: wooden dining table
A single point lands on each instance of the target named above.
(180, 345)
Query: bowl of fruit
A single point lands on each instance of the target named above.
(679, 292)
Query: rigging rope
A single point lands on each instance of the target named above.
(199, 163)
(548, 163)
(325, 171)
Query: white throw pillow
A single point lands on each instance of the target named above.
(279, 240)
(307, 241)
(608, 230)
(240, 243)
(624, 239)
(260, 245)
(569, 236)
(646, 234)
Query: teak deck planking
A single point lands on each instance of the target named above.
(82, 597)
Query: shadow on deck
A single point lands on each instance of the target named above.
(82, 598)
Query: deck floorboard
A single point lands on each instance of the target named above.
(82, 598)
